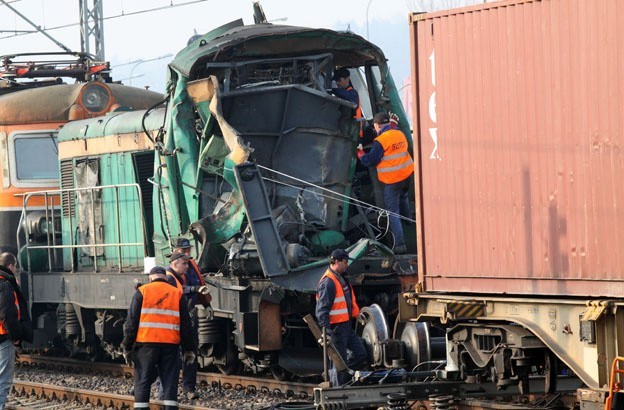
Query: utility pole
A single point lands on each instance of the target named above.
(92, 28)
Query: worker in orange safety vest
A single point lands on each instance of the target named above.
(184, 273)
(157, 324)
(335, 307)
(389, 153)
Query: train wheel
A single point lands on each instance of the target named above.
(232, 364)
(415, 338)
(375, 331)
(227, 356)
(281, 374)
(550, 372)
(230, 368)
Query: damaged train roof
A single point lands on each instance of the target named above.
(235, 41)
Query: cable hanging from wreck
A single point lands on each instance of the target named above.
(337, 196)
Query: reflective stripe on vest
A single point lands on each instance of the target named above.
(339, 311)
(160, 314)
(396, 165)
(3, 331)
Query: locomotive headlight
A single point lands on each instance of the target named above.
(38, 226)
(95, 97)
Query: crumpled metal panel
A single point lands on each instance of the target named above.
(306, 144)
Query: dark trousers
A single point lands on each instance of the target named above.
(351, 349)
(152, 362)
(189, 371)
(396, 197)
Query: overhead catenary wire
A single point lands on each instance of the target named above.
(123, 14)
(338, 196)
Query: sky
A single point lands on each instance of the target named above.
(158, 35)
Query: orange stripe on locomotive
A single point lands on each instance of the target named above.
(29, 122)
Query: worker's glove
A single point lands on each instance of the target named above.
(189, 357)
(328, 338)
(360, 152)
(394, 118)
(203, 290)
(128, 356)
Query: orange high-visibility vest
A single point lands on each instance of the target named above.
(3, 331)
(339, 312)
(358, 114)
(160, 314)
(396, 164)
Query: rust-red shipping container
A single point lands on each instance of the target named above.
(520, 154)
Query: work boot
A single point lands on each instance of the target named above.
(400, 249)
(191, 394)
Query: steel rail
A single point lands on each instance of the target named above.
(23, 391)
(236, 382)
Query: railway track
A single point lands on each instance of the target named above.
(26, 395)
(262, 384)
(269, 386)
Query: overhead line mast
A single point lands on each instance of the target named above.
(92, 27)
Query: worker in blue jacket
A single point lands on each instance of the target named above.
(389, 153)
(344, 89)
(335, 307)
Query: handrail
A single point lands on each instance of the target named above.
(51, 242)
(614, 387)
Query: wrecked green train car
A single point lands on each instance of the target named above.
(254, 159)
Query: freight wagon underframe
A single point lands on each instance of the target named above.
(580, 333)
(444, 394)
(583, 334)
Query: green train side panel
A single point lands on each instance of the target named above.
(116, 214)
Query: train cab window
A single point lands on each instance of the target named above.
(33, 158)
(359, 83)
(376, 76)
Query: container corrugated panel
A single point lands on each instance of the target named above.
(520, 163)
